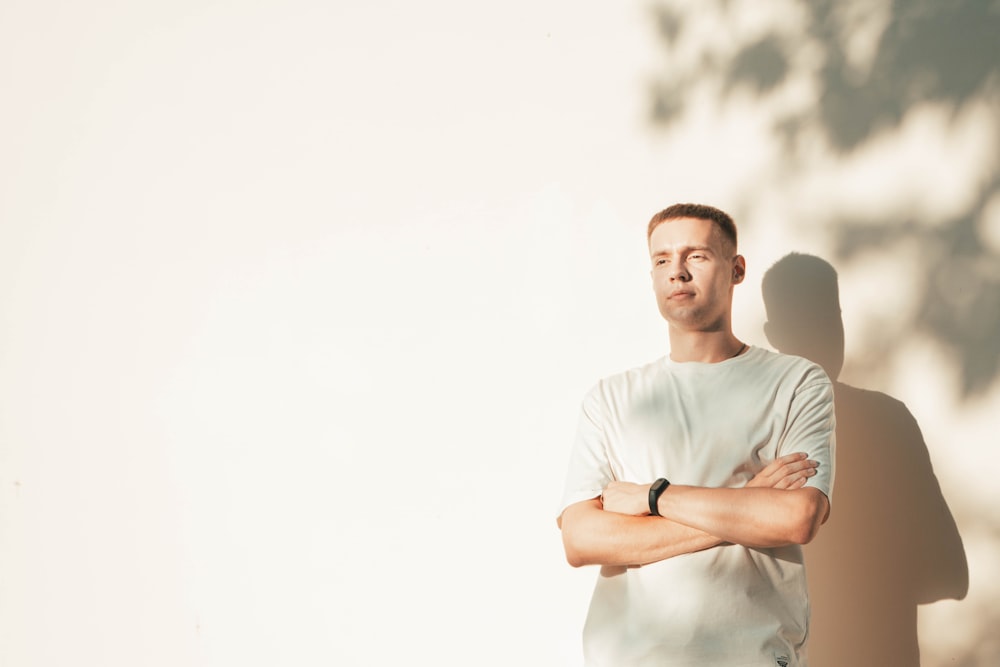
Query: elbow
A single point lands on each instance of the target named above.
(576, 556)
(804, 534)
(578, 535)
(946, 582)
(810, 515)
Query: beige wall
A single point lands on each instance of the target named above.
(298, 303)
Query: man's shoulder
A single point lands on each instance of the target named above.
(790, 370)
(617, 386)
(791, 364)
(631, 376)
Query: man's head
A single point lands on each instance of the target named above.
(692, 249)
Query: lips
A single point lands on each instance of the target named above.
(680, 294)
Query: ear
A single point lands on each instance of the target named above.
(739, 269)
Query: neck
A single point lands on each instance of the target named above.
(705, 347)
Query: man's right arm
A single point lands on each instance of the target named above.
(594, 536)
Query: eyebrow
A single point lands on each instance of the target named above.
(691, 248)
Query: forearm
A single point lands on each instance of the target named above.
(592, 536)
(752, 517)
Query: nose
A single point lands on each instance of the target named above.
(679, 273)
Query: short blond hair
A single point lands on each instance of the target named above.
(699, 212)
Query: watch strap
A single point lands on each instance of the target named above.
(656, 489)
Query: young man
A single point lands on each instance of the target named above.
(706, 568)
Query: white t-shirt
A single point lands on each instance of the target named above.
(712, 425)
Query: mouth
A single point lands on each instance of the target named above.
(680, 294)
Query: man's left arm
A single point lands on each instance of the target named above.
(752, 517)
(755, 516)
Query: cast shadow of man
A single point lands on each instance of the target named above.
(891, 542)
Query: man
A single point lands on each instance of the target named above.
(706, 568)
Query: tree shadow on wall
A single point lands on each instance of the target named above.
(891, 542)
(936, 54)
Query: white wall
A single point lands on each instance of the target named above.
(298, 303)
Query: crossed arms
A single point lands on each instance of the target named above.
(773, 509)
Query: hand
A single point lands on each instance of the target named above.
(626, 498)
(786, 472)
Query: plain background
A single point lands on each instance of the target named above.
(298, 300)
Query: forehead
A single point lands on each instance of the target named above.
(686, 232)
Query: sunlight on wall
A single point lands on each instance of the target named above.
(879, 156)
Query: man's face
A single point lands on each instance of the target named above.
(694, 270)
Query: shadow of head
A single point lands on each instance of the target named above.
(802, 301)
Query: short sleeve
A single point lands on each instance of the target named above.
(811, 428)
(589, 465)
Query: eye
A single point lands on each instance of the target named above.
(661, 262)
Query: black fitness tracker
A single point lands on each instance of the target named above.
(655, 491)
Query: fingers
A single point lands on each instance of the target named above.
(790, 459)
(775, 466)
(792, 463)
(794, 472)
(786, 472)
(795, 481)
